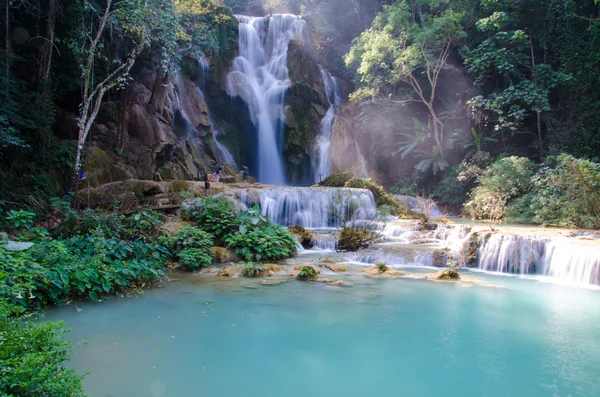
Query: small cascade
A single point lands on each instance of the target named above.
(321, 162)
(566, 259)
(505, 253)
(409, 258)
(313, 208)
(325, 242)
(259, 76)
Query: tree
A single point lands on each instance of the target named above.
(129, 26)
(506, 58)
(410, 49)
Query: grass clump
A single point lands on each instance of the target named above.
(353, 239)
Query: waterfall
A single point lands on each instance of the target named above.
(566, 259)
(325, 242)
(259, 76)
(321, 162)
(313, 208)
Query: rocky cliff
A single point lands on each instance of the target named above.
(306, 104)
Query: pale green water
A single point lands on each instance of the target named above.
(376, 338)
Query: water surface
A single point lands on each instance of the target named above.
(205, 336)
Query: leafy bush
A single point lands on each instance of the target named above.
(213, 215)
(189, 237)
(456, 184)
(353, 239)
(382, 267)
(33, 356)
(53, 272)
(144, 225)
(194, 258)
(307, 273)
(192, 246)
(269, 242)
(337, 179)
(252, 269)
(566, 192)
(504, 180)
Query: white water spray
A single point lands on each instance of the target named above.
(260, 77)
(311, 207)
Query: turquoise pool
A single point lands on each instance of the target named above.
(207, 336)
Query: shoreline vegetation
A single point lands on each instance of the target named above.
(94, 254)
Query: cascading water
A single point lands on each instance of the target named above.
(321, 162)
(313, 208)
(566, 259)
(259, 76)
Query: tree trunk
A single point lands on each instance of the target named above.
(123, 119)
(7, 49)
(46, 49)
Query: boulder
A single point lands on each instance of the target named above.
(304, 237)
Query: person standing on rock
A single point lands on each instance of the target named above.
(207, 184)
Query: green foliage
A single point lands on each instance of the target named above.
(143, 225)
(252, 269)
(565, 192)
(337, 179)
(456, 184)
(269, 242)
(505, 55)
(353, 239)
(307, 273)
(192, 246)
(33, 357)
(382, 267)
(53, 272)
(213, 215)
(203, 22)
(505, 179)
(194, 258)
(188, 237)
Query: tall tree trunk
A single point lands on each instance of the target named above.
(7, 49)
(46, 49)
(122, 128)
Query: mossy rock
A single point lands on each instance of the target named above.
(353, 239)
(230, 270)
(381, 269)
(222, 255)
(305, 237)
(469, 251)
(449, 274)
(100, 168)
(384, 198)
(269, 269)
(337, 179)
(336, 268)
(307, 273)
